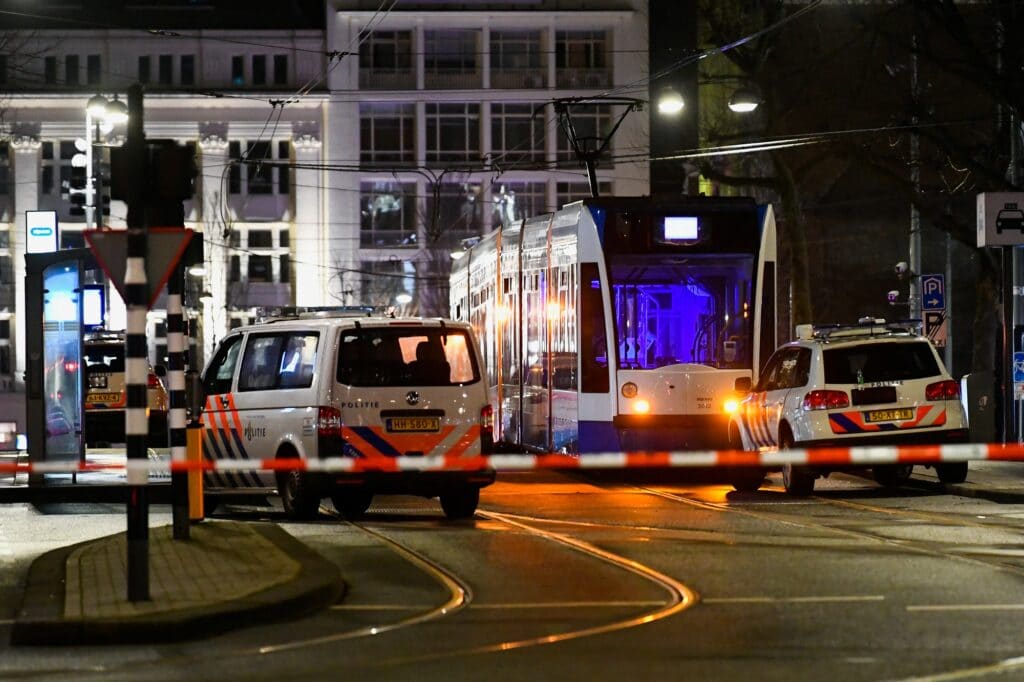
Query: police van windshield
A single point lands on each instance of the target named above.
(105, 357)
(405, 356)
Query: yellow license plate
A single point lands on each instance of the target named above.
(890, 415)
(103, 398)
(407, 424)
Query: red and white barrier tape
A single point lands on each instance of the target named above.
(825, 457)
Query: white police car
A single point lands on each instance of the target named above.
(321, 384)
(871, 383)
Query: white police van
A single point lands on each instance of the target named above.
(319, 385)
(872, 383)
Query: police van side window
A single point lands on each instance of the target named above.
(260, 363)
(222, 369)
(278, 361)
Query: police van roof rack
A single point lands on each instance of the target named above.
(293, 312)
(865, 326)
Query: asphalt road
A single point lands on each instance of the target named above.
(665, 575)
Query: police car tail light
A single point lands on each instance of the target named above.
(826, 400)
(942, 390)
(328, 422)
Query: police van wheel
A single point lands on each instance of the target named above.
(952, 472)
(892, 475)
(300, 501)
(747, 480)
(460, 504)
(352, 504)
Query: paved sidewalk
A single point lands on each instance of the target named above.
(226, 575)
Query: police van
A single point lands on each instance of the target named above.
(316, 385)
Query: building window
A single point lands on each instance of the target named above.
(461, 212)
(516, 134)
(387, 214)
(386, 133)
(592, 123)
(568, 192)
(381, 281)
(261, 239)
(235, 170)
(188, 69)
(513, 201)
(71, 69)
(165, 69)
(6, 270)
(255, 168)
(451, 51)
(260, 269)
(144, 69)
(92, 69)
(285, 272)
(515, 50)
(259, 69)
(238, 70)
(284, 239)
(386, 51)
(3, 69)
(280, 69)
(453, 133)
(50, 70)
(284, 181)
(5, 169)
(235, 271)
(5, 239)
(580, 49)
(234, 238)
(259, 173)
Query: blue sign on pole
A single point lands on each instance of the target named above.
(1018, 367)
(933, 292)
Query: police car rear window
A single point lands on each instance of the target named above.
(405, 356)
(107, 357)
(874, 362)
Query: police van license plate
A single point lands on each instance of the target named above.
(412, 424)
(890, 415)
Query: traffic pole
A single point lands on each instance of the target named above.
(136, 366)
(176, 436)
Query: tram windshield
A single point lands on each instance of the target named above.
(673, 309)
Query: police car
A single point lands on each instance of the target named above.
(873, 383)
(105, 395)
(322, 384)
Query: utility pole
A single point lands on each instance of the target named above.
(914, 295)
(136, 372)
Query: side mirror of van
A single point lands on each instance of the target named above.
(160, 371)
(743, 385)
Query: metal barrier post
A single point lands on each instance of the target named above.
(194, 457)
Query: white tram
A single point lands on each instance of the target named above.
(622, 324)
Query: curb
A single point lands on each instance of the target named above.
(40, 620)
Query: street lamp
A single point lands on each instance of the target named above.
(98, 110)
(745, 100)
(670, 101)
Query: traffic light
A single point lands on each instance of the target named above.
(168, 180)
(74, 189)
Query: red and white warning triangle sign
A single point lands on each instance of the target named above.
(165, 248)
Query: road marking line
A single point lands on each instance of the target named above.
(967, 607)
(527, 605)
(793, 600)
(967, 673)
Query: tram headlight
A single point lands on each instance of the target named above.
(629, 390)
(641, 406)
(731, 405)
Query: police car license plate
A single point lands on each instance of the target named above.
(406, 424)
(103, 398)
(890, 415)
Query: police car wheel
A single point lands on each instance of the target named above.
(892, 475)
(952, 472)
(352, 504)
(460, 504)
(299, 500)
(797, 480)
